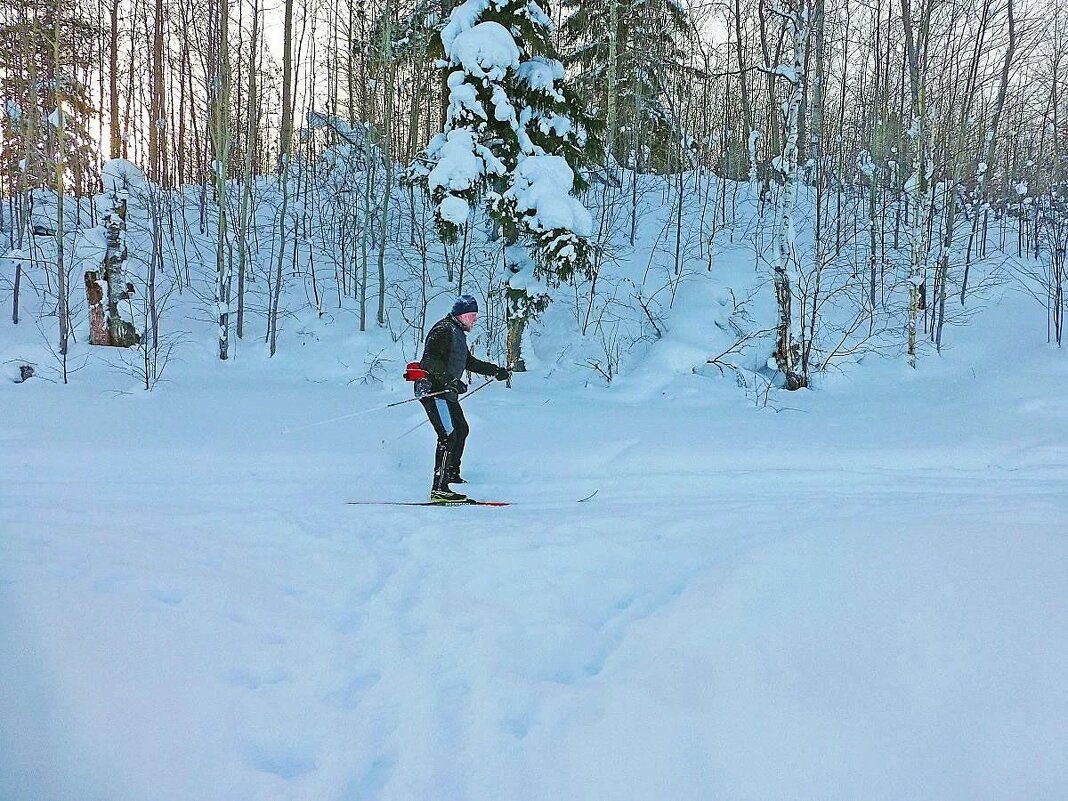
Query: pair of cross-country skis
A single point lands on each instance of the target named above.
(464, 502)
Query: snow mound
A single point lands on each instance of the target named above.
(120, 175)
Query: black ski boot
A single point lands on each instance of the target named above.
(447, 496)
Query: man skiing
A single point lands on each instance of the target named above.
(445, 358)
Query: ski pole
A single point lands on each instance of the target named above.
(482, 386)
(422, 423)
(360, 413)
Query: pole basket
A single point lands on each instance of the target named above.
(414, 372)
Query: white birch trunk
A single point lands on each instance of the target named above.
(221, 135)
(121, 333)
(786, 351)
(920, 203)
(983, 173)
(252, 130)
(285, 145)
(60, 187)
(389, 71)
(613, 78)
(918, 185)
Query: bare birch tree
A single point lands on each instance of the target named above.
(787, 353)
(221, 140)
(917, 36)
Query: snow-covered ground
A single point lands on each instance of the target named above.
(855, 593)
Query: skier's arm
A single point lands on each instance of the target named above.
(475, 365)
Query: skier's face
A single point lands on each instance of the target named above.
(467, 320)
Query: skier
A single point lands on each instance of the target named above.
(445, 358)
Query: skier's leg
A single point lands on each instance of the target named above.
(438, 412)
(441, 467)
(458, 437)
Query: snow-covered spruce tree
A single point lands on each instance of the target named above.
(624, 53)
(513, 140)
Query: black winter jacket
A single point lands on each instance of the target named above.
(446, 357)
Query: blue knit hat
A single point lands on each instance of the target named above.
(463, 305)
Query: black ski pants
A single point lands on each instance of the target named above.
(451, 426)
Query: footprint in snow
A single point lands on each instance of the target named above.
(350, 622)
(350, 696)
(279, 760)
(171, 597)
(516, 726)
(368, 785)
(254, 679)
(112, 583)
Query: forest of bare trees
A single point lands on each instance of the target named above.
(886, 147)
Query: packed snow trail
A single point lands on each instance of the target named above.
(843, 599)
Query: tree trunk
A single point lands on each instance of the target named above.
(251, 142)
(113, 83)
(916, 46)
(121, 333)
(61, 189)
(516, 301)
(15, 294)
(787, 356)
(743, 74)
(612, 80)
(983, 174)
(221, 135)
(157, 128)
(387, 155)
(94, 297)
(285, 143)
(814, 142)
(286, 137)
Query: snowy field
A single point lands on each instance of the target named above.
(855, 593)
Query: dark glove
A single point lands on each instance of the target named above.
(457, 386)
(502, 374)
